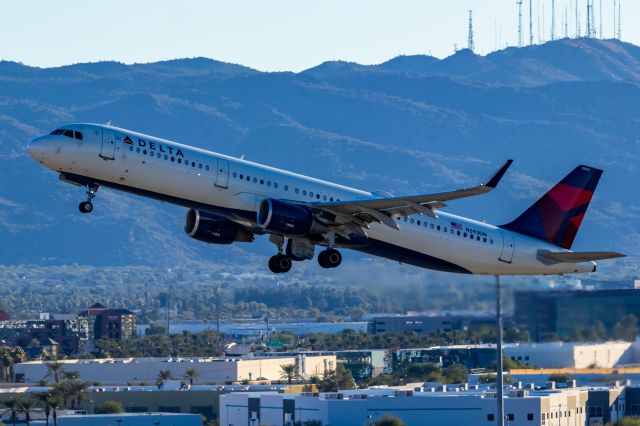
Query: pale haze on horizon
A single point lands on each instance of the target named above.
(284, 35)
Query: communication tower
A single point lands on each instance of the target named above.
(520, 40)
(470, 43)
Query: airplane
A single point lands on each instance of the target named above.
(233, 200)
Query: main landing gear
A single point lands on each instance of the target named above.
(280, 263)
(87, 206)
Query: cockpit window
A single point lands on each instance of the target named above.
(68, 133)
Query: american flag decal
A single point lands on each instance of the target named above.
(456, 226)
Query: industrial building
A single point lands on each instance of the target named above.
(127, 419)
(425, 323)
(421, 405)
(210, 370)
(551, 315)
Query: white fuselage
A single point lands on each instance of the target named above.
(230, 186)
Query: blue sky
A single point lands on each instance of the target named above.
(273, 35)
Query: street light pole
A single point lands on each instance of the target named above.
(499, 367)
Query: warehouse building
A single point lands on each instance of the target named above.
(210, 370)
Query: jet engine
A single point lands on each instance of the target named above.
(286, 218)
(214, 229)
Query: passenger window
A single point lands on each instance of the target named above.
(304, 192)
(324, 198)
(286, 188)
(311, 194)
(144, 152)
(179, 160)
(159, 155)
(444, 229)
(131, 148)
(173, 159)
(438, 227)
(405, 218)
(166, 157)
(193, 164)
(68, 133)
(491, 242)
(261, 181)
(465, 236)
(268, 183)
(297, 191)
(478, 238)
(255, 180)
(331, 199)
(484, 240)
(78, 135)
(458, 232)
(200, 165)
(411, 220)
(241, 176)
(235, 174)
(248, 178)
(318, 196)
(431, 226)
(275, 184)
(206, 167)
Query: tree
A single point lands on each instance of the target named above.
(289, 372)
(55, 370)
(44, 399)
(456, 373)
(337, 379)
(6, 362)
(26, 405)
(13, 405)
(389, 421)
(163, 376)
(560, 377)
(110, 407)
(191, 374)
(71, 375)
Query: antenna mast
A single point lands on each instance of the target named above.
(553, 20)
(600, 26)
(589, 11)
(619, 19)
(520, 40)
(470, 43)
(577, 21)
(530, 23)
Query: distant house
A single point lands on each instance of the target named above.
(105, 323)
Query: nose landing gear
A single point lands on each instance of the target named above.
(87, 206)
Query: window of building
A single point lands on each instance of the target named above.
(511, 417)
(530, 416)
(490, 417)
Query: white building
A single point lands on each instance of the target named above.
(128, 419)
(572, 354)
(210, 370)
(458, 406)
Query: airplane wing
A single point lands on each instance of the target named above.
(576, 257)
(355, 215)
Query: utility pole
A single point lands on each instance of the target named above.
(520, 41)
(600, 26)
(470, 43)
(589, 11)
(615, 21)
(619, 20)
(577, 20)
(499, 372)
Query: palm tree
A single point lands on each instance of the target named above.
(163, 376)
(6, 361)
(44, 399)
(26, 405)
(70, 375)
(55, 370)
(13, 405)
(54, 402)
(289, 372)
(191, 374)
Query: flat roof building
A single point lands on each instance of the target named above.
(210, 370)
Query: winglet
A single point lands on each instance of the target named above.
(497, 176)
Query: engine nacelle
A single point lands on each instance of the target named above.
(213, 229)
(286, 218)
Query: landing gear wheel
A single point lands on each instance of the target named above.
(85, 207)
(280, 263)
(330, 258)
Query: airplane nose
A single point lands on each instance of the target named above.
(35, 149)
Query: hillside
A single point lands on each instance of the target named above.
(409, 125)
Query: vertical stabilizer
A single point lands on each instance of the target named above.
(556, 217)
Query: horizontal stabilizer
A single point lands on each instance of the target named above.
(576, 256)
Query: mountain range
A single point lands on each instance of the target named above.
(410, 125)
